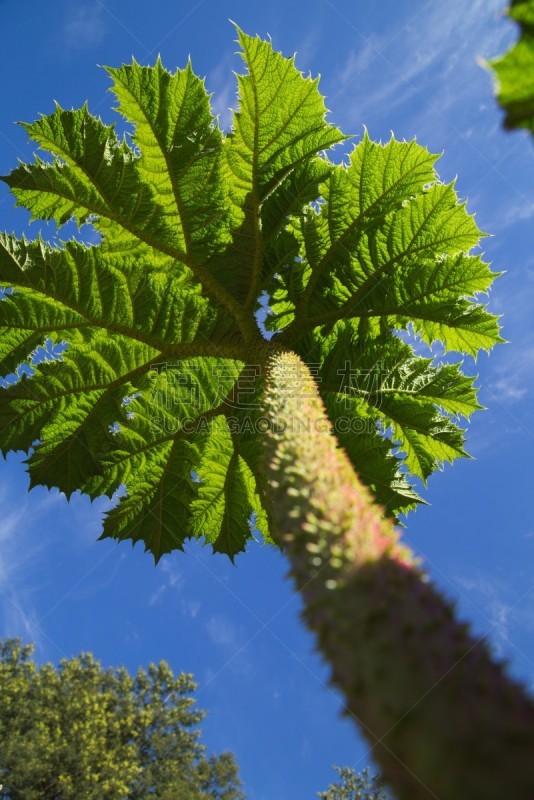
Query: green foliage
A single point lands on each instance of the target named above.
(515, 70)
(79, 732)
(355, 786)
(153, 394)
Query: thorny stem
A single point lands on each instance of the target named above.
(444, 721)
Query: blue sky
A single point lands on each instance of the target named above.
(408, 67)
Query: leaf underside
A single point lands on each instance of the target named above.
(157, 396)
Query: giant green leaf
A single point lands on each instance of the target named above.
(156, 397)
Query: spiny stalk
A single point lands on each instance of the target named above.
(443, 719)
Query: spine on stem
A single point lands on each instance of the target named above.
(444, 720)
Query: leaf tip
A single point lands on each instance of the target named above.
(239, 31)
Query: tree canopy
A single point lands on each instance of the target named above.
(81, 732)
(355, 786)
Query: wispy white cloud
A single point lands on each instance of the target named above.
(488, 595)
(511, 376)
(11, 557)
(229, 638)
(17, 564)
(223, 84)
(510, 391)
(156, 596)
(191, 608)
(175, 576)
(358, 61)
(173, 581)
(511, 214)
(131, 634)
(16, 554)
(430, 63)
(20, 620)
(24, 551)
(222, 632)
(508, 618)
(84, 26)
(307, 48)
